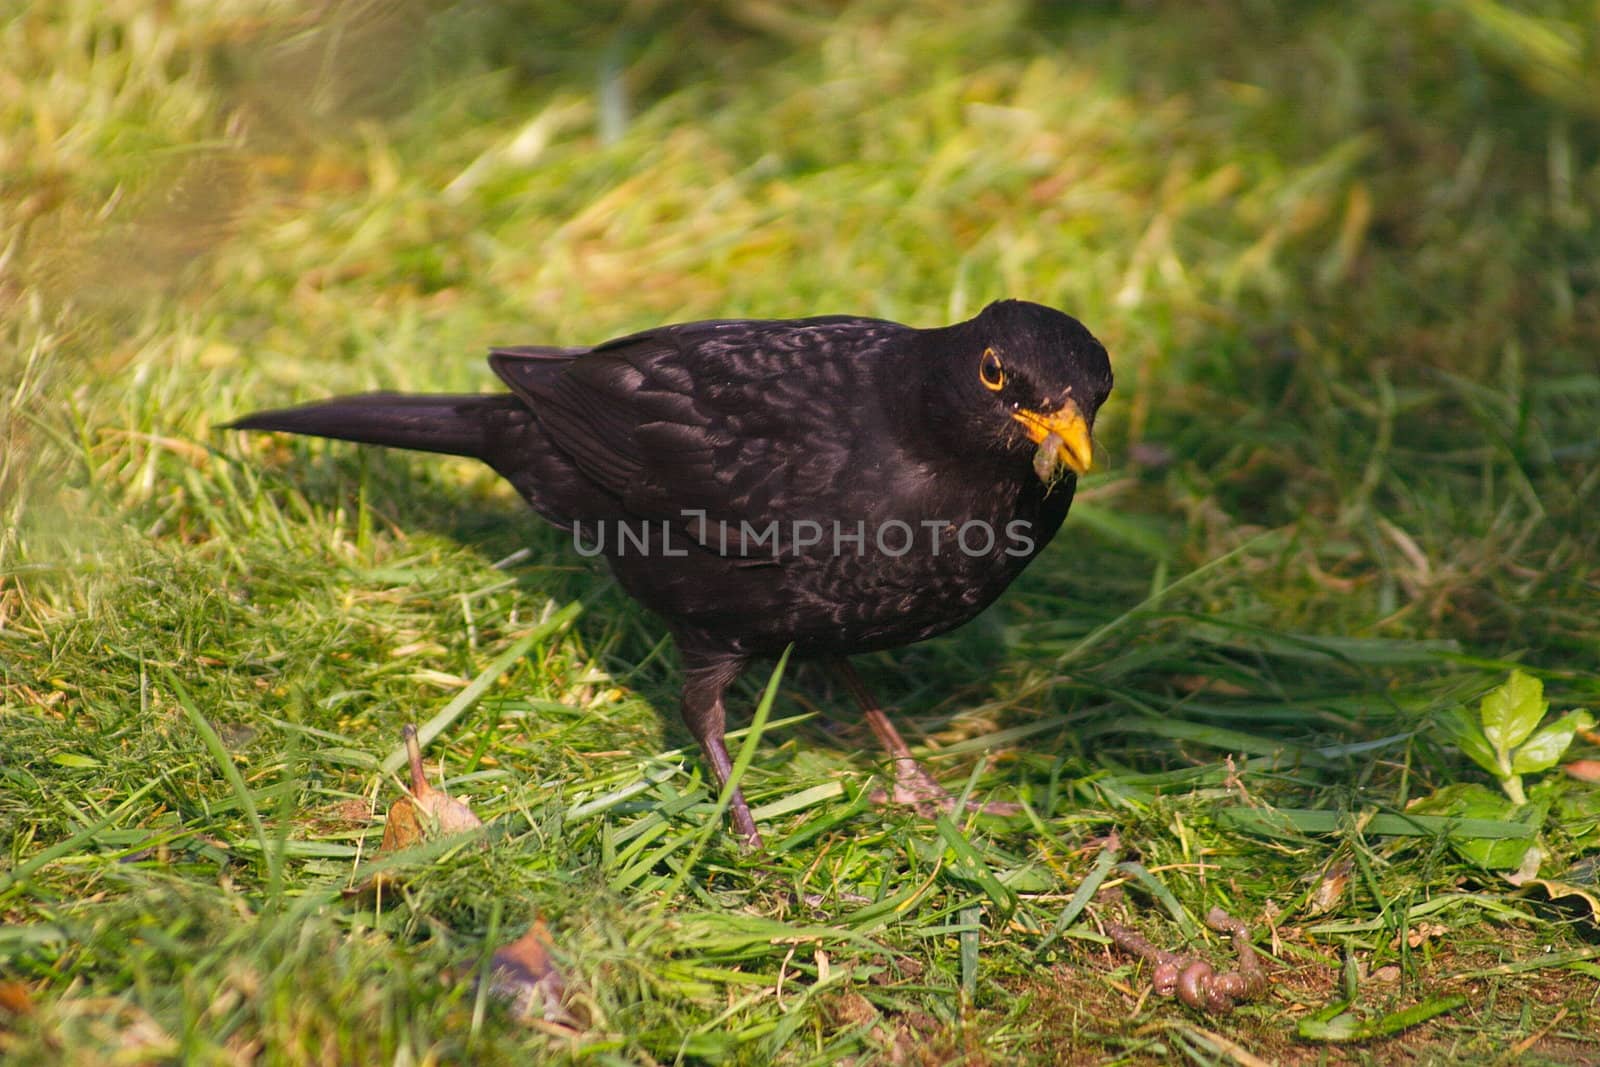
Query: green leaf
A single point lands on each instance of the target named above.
(1579, 812)
(1544, 748)
(1496, 855)
(1080, 899)
(1468, 736)
(1469, 800)
(1511, 711)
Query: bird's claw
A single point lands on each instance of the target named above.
(916, 789)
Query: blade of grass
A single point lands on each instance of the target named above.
(1335, 1024)
(1080, 899)
(1179, 914)
(230, 772)
(969, 940)
(973, 866)
(1100, 633)
(480, 685)
(67, 845)
(1387, 824)
(1538, 963)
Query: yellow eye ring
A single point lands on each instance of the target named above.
(990, 372)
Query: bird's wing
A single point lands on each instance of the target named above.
(721, 428)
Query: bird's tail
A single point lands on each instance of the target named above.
(458, 425)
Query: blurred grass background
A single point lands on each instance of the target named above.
(1347, 263)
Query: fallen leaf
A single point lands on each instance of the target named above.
(422, 813)
(1528, 870)
(15, 999)
(525, 973)
(1205, 683)
(1584, 770)
(1575, 892)
(852, 1009)
(1330, 889)
(413, 818)
(1420, 933)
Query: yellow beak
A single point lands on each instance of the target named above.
(1066, 424)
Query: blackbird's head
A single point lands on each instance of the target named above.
(1021, 374)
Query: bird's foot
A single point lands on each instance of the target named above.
(744, 824)
(916, 789)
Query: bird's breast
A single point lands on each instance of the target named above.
(888, 571)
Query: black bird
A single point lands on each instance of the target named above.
(843, 484)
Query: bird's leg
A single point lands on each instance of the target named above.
(913, 785)
(706, 718)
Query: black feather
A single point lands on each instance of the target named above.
(457, 425)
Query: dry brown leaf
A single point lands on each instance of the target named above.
(422, 813)
(1205, 683)
(1579, 901)
(525, 973)
(902, 1038)
(1584, 770)
(412, 818)
(15, 999)
(1420, 933)
(1331, 888)
(852, 1009)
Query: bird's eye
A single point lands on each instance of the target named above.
(991, 372)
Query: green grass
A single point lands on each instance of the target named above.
(1347, 261)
